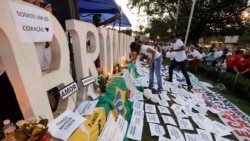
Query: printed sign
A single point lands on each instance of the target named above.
(111, 131)
(192, 137)
(65, 124)
(139, 113)
(163, 110)
(156, 130)
(88, 80)
(152, 118)
(185, 124)
(135, 128)
(175, 133)
(32, 24)
(122, 125)
(68, 90)
(204, 135)
(139, 105)
(168, 120)
(86, 107)
(150, 108)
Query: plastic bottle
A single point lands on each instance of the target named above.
(9, 130)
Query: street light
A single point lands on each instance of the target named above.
(245, 17)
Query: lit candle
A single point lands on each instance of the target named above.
(109, 76)
(116, 69)
(123, 61)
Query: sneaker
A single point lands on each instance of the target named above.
(159, 91)
(190, 87)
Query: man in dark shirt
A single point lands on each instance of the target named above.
(97, 19)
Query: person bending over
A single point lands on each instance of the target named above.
(155, 61)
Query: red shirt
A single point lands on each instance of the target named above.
(232, 60)
(242, 65)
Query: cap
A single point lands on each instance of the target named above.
(228, 54)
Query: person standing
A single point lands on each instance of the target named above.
(180, 59)
(242, 67)
(48, 7)
(47, 50)
(97, 19)
(155, 61)
(233, 60)
(195, 58)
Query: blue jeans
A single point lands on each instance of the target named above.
(155, 68)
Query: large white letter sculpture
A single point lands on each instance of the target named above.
(84, 61)
(22, 60)
(22, 64)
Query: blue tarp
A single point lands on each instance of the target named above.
(97, 6)
(107, 8)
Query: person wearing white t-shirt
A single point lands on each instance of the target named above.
(154, 64)
(195, 58)
(217, 54)
(180, 59)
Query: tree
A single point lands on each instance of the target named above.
(210, 17)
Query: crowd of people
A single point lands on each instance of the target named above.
(228, 60)
(220, 58)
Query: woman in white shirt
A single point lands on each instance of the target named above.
(155, 61)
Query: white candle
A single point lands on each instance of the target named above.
(123, 61)
(116, 68)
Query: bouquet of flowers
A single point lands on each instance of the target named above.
(102, 80)
(31, 130)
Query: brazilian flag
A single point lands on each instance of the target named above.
(116, 100)
(132, 70)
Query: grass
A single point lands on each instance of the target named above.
(242, 103)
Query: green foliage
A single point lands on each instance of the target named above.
(102, 80)
(241, 86)
(209, 18)
(208, 71)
